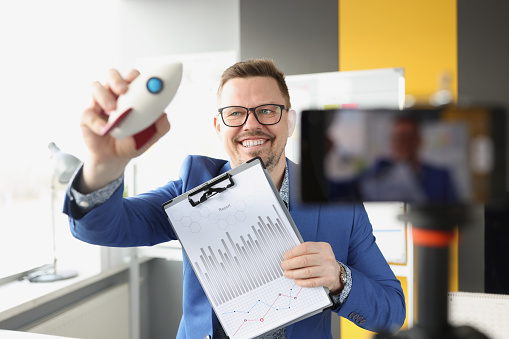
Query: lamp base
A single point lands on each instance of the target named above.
(55, 276)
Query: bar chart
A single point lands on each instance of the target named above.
(236, 268)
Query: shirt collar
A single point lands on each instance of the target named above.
(284, 192)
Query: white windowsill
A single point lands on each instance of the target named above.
(22, 296)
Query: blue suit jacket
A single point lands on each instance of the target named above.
(376, 301)
(436, 182)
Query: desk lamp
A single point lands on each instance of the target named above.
(64, 166)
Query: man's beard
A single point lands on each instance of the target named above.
(270, 162)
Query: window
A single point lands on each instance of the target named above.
(51, 52)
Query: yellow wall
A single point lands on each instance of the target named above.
(421, 37)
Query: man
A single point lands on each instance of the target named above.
(404, 176)
(339, 251)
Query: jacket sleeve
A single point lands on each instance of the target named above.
(124, 222)
(376, 301)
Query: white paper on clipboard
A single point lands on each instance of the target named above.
(235, 238)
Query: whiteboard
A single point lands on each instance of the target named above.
(390, 233)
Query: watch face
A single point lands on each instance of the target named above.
(343, 275)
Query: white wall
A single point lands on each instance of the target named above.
(165, 27)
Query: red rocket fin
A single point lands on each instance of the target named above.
(142, 137)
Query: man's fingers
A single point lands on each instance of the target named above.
(303, 273)
(133, 74)
(162, 125)
(106, 100)
(324, 262)
(91, 119)
(307, 248)
(106, 95)
(313, 276)
(116, 82)
(312, 283)
(297, 251)
(311, 264)
(310, 275)
(302, 261)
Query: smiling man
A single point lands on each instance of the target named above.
(254, 119)
(265, 131)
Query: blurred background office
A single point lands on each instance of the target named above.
(53, 50)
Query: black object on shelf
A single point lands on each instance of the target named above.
(433, 231)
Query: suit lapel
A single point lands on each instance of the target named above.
(306, 217)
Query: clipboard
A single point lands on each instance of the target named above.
(235, 230)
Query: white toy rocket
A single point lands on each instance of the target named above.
(143, 103)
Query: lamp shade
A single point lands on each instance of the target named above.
(64, 164)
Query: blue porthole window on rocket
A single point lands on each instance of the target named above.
(154, 85)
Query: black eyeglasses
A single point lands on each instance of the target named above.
(235, 116)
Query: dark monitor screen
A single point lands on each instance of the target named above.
(422, 156)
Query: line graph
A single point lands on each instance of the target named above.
(263, 310)
(268, 307)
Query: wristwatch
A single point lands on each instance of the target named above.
(343, 276)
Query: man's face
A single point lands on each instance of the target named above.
(253, 139)
(406, 141)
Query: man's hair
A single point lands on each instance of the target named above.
(256, 68)
(408, 119)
